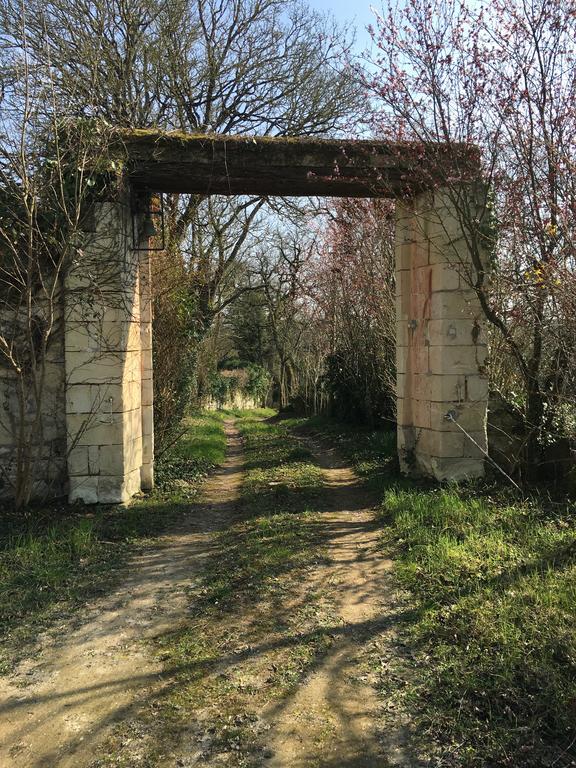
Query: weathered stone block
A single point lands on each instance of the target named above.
(83, 489)
(112, 490)
(414, 385)
(147, 393)
(417, 359)
(133, 340)
(469, 416)
(408, 436)
(82, 398)
(111, 460)
(82, 338)
(78, 463)
(475, 444)
(447, 277)
(401, 356)
(477, 389)
(147, 371)
(456, 469)
(147, 448)
(99, 430)
(420, 308)
(94, 459)
(453, 253)
(402, 331)
(400, 411)
(147, 421)
(132, 424)
(421, 280)
(453, 305)
(131, 394)
(402, 309)
(448, 388)
(94, 368)
(133, 454)
(464, 359)
(147, 477)
(403, 284)
(441, 444)
(456, 332)
(420, 412)
(132, 366)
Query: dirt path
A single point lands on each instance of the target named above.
(332, 718)
(62, 706)
(62, 703)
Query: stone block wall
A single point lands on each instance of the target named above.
(146, 372)
(238, 400)
(44, 422)
(442, 385)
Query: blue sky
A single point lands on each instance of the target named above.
(350, 12)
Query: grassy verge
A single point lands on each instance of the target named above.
(258, 624)
(493, 579)
(496, 585)
(57, 557)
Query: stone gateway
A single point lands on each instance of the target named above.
(106, 371)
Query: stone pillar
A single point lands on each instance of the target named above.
(104, 362)
(442, 386)
(147, 371)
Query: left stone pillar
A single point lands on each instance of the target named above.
(103, 351)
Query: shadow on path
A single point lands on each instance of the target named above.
(63, 704)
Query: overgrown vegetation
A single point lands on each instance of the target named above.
(250, 384)
(275, 67)
(373, 452)
(500, 75)
(309, 307)
(320, 315)
(57, 557)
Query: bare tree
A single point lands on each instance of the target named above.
(499, 75)
(281, 270)
(230, 66)
(46, 184)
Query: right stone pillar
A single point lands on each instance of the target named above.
(442, 384)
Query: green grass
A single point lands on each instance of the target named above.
(281, 486)
(252, 414)
(204, 439)
(273, 533)
(496, 587)
(57, 557)
(493, 582)
(281, 476)
(200, 448)
(492, 579)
